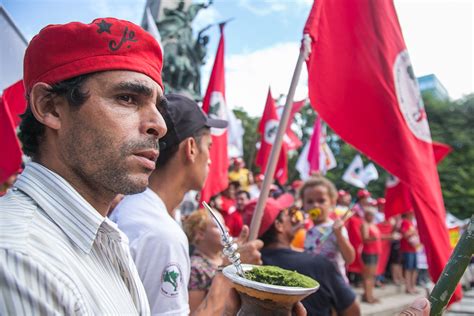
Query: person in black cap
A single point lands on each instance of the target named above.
(158, 245)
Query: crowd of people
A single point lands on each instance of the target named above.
(91, 225)
(325, 224)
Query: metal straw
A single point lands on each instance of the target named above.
(230, 247)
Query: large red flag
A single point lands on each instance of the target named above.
(215, 105)
(268, 128)
(362, 83)
(10, 160)
(397, 194)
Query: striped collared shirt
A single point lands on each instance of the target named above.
(59, 256)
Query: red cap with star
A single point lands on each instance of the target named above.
(64, 51)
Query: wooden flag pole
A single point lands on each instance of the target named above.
(271, 165)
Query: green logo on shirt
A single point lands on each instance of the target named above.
(171, 280)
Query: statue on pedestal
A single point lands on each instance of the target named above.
(183, 55)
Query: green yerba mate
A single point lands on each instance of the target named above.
(278, 276)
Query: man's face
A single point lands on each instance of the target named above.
(241, 200)
(346, 199)
(203, 160)
(111, 142)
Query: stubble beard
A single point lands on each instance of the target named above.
(101, 167)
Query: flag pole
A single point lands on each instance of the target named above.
(270, 170)
(453, 271)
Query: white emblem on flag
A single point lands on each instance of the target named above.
(217, 111)
(391, 181)
(271, 129)
(409, 97)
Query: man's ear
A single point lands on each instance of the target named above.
(191, 149)
(44, 105)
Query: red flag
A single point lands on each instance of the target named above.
(214, 104)
(362, 83)
(314, 146)
(10, 161)
(291, 139)
(440, 151)
(355, 237)
(268, 128)
(385, 230)
(14, 96)
(397, 197)
(397, 194)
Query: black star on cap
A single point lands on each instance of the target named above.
(103, 27)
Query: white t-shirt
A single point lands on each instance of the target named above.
(160, 250)
(329, 248)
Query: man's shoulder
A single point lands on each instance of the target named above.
(139, 213)
(17, 212)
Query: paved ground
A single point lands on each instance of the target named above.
(393, 299)
(464, 307)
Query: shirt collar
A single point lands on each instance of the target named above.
(62, 203)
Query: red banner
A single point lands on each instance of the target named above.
(214, 105)
(12, 104)
(355, 237)
(362, 83)
(385, 231)
(291, 139)
(268, 128)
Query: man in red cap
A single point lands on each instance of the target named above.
(91, 128)
(277, 230)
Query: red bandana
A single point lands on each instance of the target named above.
(64, 51)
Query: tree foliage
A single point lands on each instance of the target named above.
(452, 123)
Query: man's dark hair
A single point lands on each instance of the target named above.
(166, 155)
(31, 130)
(247, 194)
(270, 236)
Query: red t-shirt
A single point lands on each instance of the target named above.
(373, 247)
(405, 244)
(232, 218)
(234, 222)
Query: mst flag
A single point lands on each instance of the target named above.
(397, 194)
(291, 139)
(214, 105)
(362, 83)
(369, 173)
(353, 173)
(268, 128)
(316, 155)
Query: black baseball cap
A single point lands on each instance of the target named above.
(184, 117)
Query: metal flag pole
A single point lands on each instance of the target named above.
(270, 170)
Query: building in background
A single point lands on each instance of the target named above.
(431, 84)
(11, 51)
